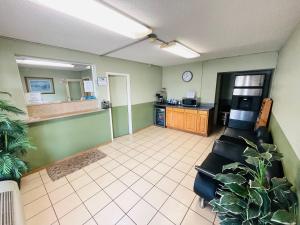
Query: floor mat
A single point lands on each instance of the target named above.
(70, 165)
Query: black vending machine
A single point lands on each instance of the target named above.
(246, 100)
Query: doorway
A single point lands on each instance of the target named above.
(119, 97)
(74, 89)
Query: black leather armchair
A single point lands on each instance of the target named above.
(227, 149)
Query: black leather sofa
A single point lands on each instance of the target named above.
(228, 149)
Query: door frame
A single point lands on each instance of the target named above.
(128, 90)
(68, 88)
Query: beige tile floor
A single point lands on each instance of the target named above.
(146, 178)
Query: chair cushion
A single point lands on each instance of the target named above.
(236, 133)
(212, 165)
(229, 150)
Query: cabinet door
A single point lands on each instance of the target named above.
(169, 117)
(190, 120)
(178, 118)
(202, 123)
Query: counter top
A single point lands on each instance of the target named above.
(62, 115)
(205, 107)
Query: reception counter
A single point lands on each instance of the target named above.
(57, 110)
(60, 134)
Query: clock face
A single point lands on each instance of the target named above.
(187, 76)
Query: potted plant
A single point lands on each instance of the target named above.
(14, 142)
(248, 197)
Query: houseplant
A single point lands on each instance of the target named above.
(14, 142)
(248, 197)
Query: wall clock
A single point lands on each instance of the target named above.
(187, 76)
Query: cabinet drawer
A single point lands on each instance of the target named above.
(169, 109)
(178, 110)
(191, 111)
(203, 112)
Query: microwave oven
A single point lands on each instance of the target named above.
(189, 102)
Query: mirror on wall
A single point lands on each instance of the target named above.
(51, 81)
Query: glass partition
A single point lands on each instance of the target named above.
(47, 81)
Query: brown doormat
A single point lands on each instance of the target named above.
(70, 165)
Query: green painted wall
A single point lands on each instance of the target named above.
(142, 115)
(120, 120)
(145, 79)
(291, 163)
(285, 92)
(60, 138)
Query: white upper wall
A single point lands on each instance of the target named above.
(205, 74)
(286, 91)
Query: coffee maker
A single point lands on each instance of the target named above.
(161, 96)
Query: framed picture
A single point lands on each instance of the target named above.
(40, 84)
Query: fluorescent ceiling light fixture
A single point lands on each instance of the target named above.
(179, 49)
(44, 63)
(98, 14)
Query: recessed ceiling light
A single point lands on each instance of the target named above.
(98, 14)
(179, 49)
(44, 63)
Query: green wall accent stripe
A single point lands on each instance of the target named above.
(142, 115)
(57, 139)
(120, 120)
(290, 160)
(60, 138)
(291, 163)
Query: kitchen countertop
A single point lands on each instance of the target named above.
(205, 107)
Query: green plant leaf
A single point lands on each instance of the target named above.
(230, 178)
(251, 152)
(253, 211)
(250, 143)
(276, 156)
(232, 166)
(216, 207)
(283, 217)
(234, 209)
(247, 222)
(266, 155)
(5, 106)
(230, 221)
(281, 183)
(237, 189)
(229, 199)
(253, 161)
(254, 184)
(269, 147)
(255, 197)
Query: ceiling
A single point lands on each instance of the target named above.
(214, 28)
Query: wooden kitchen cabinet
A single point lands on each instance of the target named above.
(169, 117)
(202, 123)
(178, 118)
(190, 120)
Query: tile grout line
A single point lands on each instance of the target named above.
(156, 150)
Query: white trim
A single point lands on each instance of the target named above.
(128, 100)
